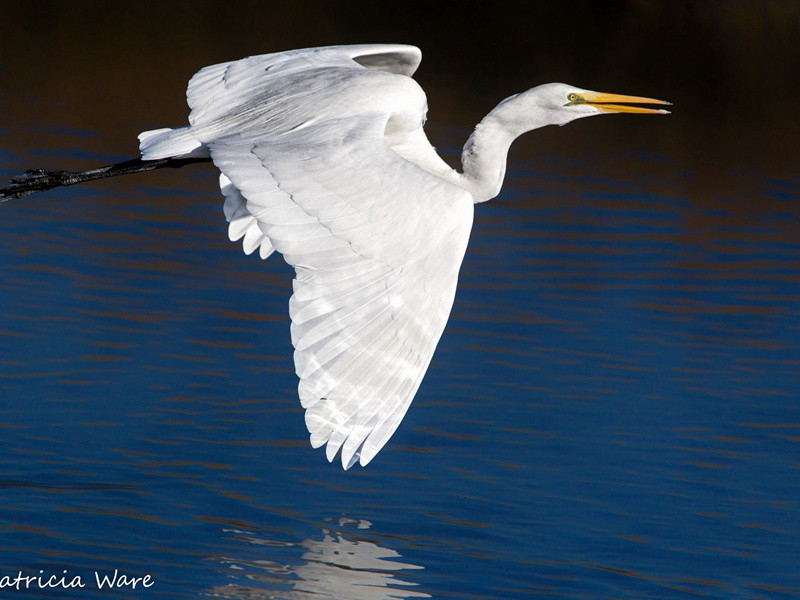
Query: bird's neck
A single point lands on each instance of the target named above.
(484, 158)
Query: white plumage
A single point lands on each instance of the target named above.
(323, 158)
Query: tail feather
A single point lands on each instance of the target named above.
(166, 143)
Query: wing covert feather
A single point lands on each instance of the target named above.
(376, 241)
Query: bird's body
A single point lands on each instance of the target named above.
(324, 159)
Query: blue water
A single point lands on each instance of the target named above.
(612, 412)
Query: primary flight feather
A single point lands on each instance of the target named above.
(323, 157)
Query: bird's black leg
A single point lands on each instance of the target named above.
(40, 180)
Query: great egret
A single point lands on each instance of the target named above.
(323, 157)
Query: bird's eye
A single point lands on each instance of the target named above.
(572, 97)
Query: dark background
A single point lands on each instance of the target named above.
(729, 67)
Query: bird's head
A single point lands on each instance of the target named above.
(559, 103)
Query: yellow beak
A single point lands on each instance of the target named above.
(617, 103)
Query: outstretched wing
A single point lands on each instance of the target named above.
(376, 241)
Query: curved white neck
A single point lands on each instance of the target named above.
(485, 153)
(484, 157)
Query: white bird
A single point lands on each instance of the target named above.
(323, 157)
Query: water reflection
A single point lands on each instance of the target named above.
(337, 566)
(613, 413)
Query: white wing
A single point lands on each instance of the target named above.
(376, 240)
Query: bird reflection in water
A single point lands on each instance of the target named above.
(334, 567)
